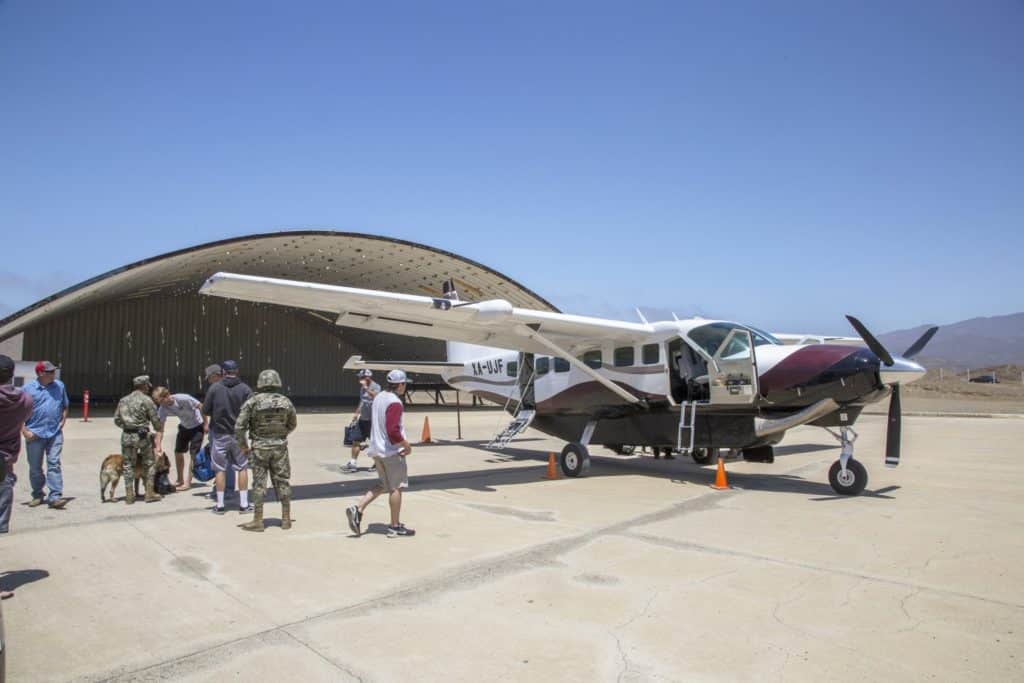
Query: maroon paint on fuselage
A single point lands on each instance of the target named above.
(803, 365)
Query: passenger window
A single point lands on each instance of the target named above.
(512, 369)
(592, 359)
(651, 353)
(542, 365)
(561, 365)
(623, 356)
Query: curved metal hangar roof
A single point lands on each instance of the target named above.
(324, 256)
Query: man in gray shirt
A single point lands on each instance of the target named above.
(192, 426)
(368, 389)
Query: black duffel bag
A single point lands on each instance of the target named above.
(353, 434)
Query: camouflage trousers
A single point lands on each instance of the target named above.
(134, 449)
(273, 460)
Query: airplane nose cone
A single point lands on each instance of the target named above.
(902, 371)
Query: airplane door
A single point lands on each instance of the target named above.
(525, 380)
(733, 370)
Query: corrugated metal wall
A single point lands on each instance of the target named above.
(172, 338)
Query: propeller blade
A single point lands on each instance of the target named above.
(894, 429)
(869, 339)
(919, 345)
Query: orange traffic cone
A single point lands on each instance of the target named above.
(720, 481)
(425, 438)
(552, 467)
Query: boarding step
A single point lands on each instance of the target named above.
(517, 426)
(687, 422)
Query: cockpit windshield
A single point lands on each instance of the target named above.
(710, 337)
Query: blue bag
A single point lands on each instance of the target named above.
(353, 434)
(202, 465)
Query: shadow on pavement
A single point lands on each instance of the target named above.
(681, 470)
(13, 580)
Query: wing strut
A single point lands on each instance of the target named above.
(575, 362)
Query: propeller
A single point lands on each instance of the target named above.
(894, 428)
(873, 344)
(916, 347)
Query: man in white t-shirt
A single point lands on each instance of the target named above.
(192, 426)
(388, 448)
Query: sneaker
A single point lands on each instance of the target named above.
(399, 530)
(248, 509)
(218, 510)
(35, 502)
(58, 503)
(355, 519)
(351, 466)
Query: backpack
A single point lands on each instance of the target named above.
(202, 465)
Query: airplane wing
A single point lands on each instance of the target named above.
(425, 367)
(494, 323)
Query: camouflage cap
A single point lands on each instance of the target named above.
(141, 381)
(269, 379)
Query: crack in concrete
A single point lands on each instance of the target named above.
(469, 576)
(915, 623)
(730, 552)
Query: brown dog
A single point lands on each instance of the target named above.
(110, 474)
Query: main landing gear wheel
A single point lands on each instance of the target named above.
(575, 459)
(848, 483)
(703, 456)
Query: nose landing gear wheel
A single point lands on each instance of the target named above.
(575, 459)
(848, 483)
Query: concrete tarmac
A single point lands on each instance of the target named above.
(636, 572)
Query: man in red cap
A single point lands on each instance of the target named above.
(44, 435)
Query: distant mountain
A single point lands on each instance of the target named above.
(974, 343)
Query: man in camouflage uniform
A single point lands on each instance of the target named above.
(136, 416)
(268, 417)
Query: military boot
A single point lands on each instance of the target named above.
(129, 491)
(257, 520)
(286, 513)
(151, 495)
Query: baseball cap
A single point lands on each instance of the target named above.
(229, 366)
(365, 373)
(141, 381)
(397, 376)
(213, 370)
(6, 365)
(45, 366)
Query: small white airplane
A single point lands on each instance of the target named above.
(696, 386)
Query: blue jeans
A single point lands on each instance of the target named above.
(35, 451)
(7, 482)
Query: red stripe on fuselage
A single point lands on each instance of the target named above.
(802, 366)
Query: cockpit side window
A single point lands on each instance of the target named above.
(709, 337)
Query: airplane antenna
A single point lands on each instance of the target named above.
(675, 317)
(642, 318)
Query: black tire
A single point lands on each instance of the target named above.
(575, 459)
(855, 481)
(703, 456)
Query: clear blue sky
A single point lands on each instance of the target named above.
(776, 163)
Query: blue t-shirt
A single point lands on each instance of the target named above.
(48, 404)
